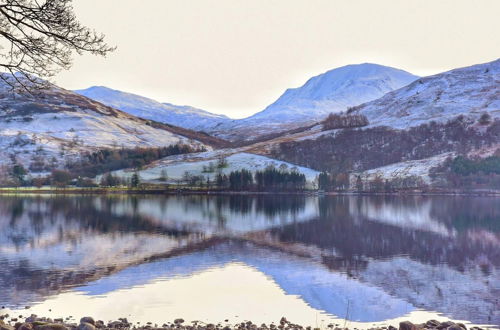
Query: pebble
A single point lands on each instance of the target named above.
(87, 319)
(34, 322)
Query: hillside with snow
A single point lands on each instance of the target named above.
(175, 168)
(411, 130)
(55, 125)
(333, 91)
(469, 91)
(183, 116)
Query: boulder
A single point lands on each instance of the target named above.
(116, 325)
(52, 326)
(25, 326)
(407, 325)
(432, 324)
(445, 325)
(85, 326)
(454, 327)
(87, 319)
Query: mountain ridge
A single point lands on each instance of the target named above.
(143, 107)
(332, 91)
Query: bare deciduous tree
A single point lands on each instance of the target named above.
(38, 39)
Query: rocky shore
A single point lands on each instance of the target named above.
(34, 322)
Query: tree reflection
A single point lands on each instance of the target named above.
(459, 232)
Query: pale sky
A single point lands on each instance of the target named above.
(237, 56)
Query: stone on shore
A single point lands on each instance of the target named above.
(51, 326)
(86, 326)
(87, 319)
(88, 323)
(454, 327)
(407, 325)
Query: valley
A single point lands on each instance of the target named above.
(390, 131)
(249, 165)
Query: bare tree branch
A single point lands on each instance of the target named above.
(38, 39)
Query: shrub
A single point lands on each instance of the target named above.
(336, 121)
(60, 178)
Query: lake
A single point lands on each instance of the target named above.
(355, 261)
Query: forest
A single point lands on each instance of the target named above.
(471, 173)
(359, 149)
(269, 179)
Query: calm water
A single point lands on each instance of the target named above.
(354, 261)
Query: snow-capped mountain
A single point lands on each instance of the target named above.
(336, 90)
(183, 116)
(333, 91)
(468, 91)
(56, 125)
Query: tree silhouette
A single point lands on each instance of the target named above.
(135, 180)
(39, 38)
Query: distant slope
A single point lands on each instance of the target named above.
(183, 116)
(56, 125)
(468, 91)
(332, 91)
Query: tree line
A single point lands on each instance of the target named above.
(269, 179)
(469, 172)
(341, 120)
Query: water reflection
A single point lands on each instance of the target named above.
(378, 257)
(218, 214)
(322, 289)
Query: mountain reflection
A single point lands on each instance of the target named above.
(437, 253)
(446, 231)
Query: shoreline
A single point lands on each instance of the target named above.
(34, 322)
(187, 191)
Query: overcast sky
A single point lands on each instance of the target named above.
(237, 56)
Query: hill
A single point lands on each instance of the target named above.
(139, 106)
